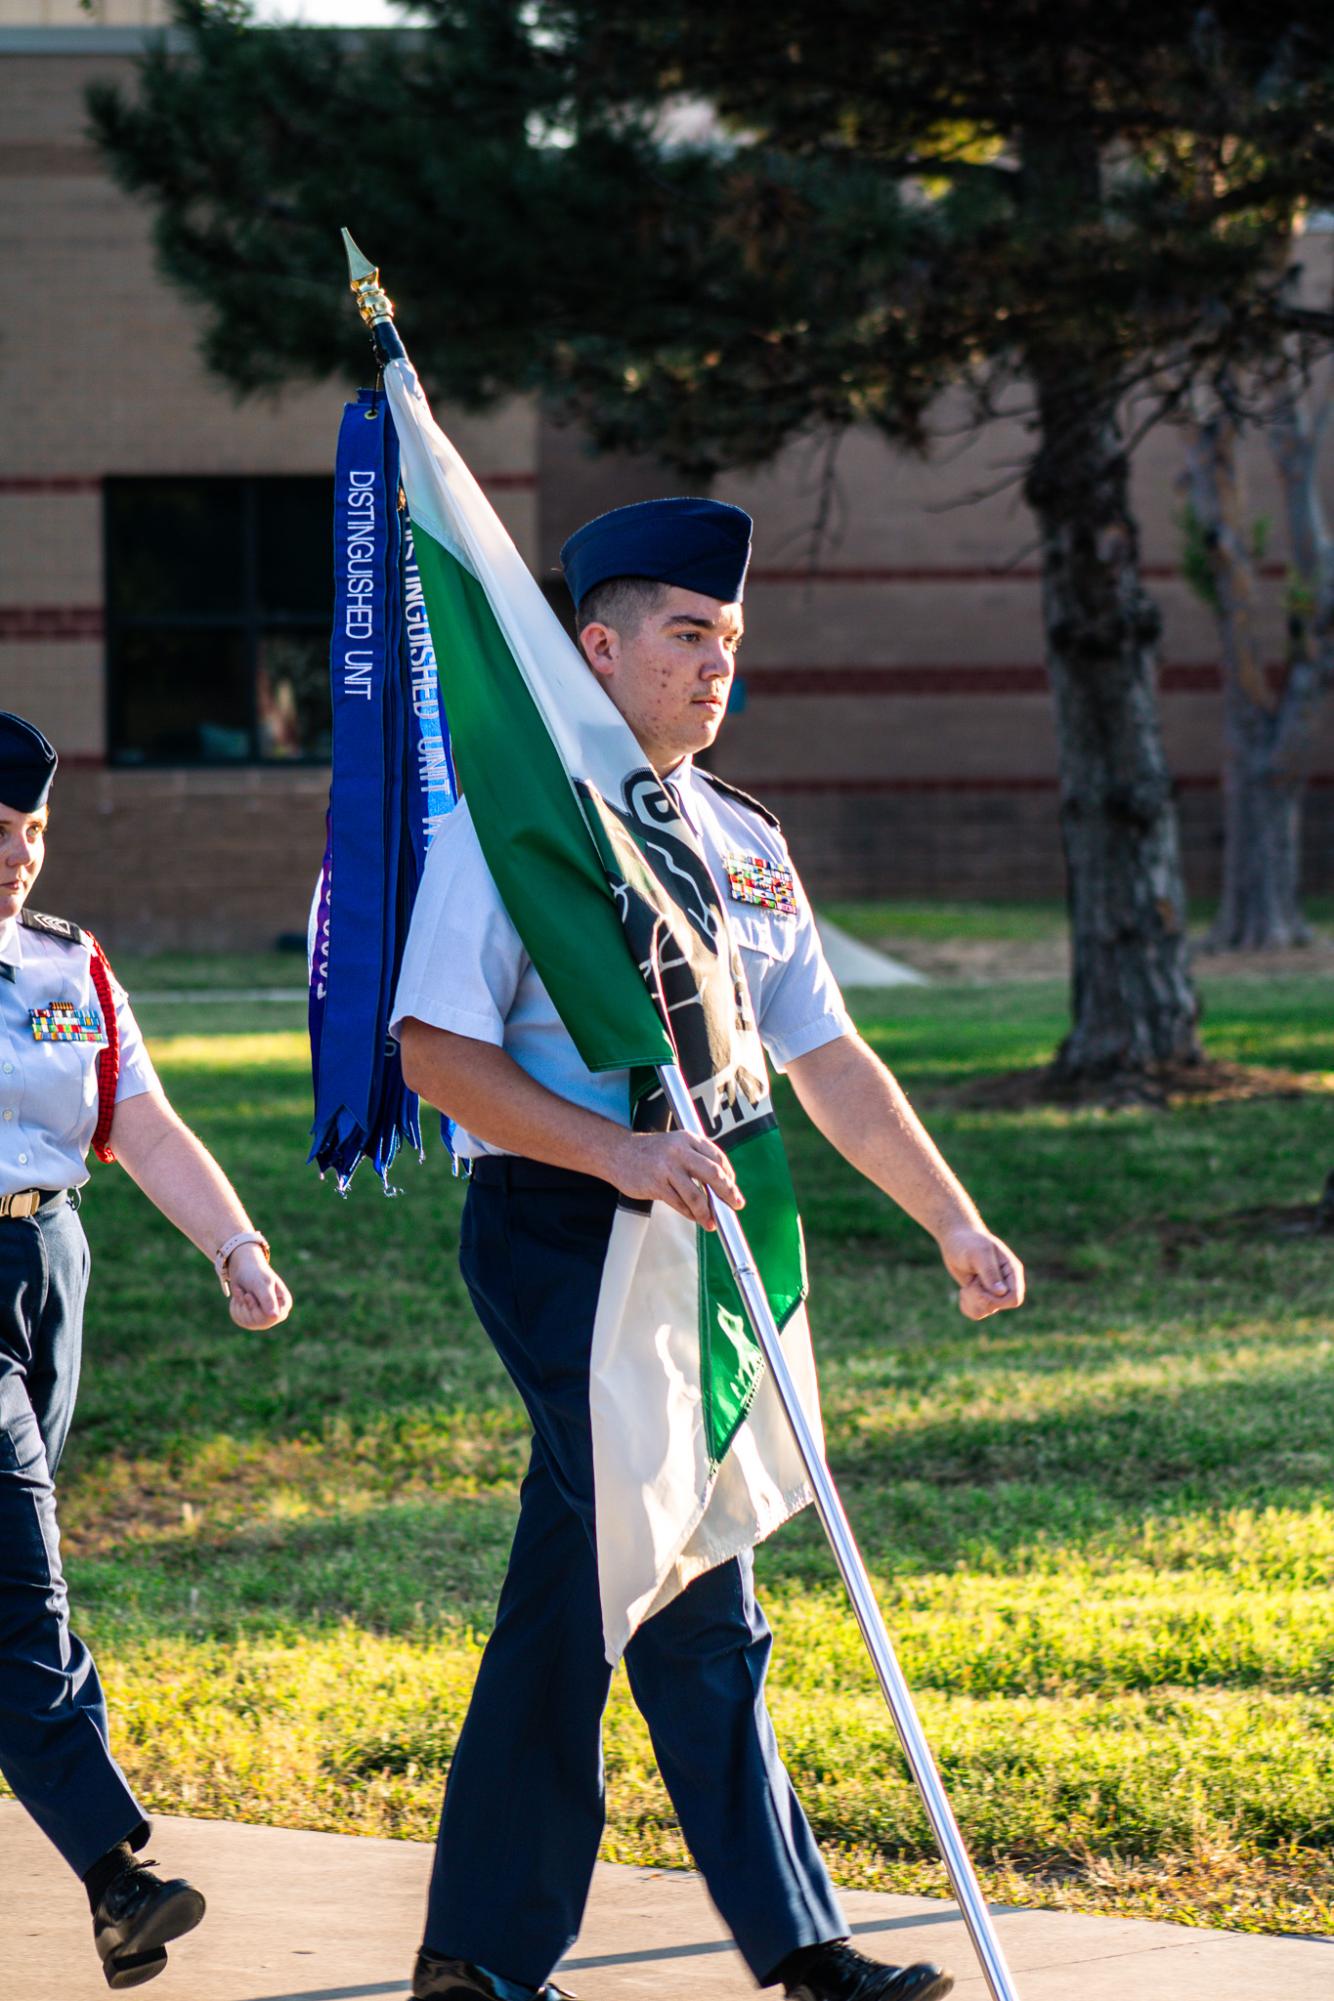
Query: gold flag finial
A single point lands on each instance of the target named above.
(358, 267)
(376, 309)
(364, 278)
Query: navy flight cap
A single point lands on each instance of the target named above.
(702, 545)
(27, 764)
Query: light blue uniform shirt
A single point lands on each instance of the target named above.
(465, 968)
(48, 1090)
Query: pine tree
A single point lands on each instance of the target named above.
(708, 230)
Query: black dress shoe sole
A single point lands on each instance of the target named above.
(434, 1978)
(133, 1969)
(142, 1956)
(915, 1983)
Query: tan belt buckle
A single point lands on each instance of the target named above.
(25, 1203)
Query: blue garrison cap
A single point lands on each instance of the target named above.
(702, 545)
(27, 764)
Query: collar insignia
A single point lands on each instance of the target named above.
(753, 879)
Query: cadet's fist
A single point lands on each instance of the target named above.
(989, 1276)
(259, 1297)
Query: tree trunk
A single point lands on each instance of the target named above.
(1133, 1006)
(1133, 1003)
(1258, 908)
(1295, 435)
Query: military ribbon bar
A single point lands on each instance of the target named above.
(62, 1021)
(753, 879)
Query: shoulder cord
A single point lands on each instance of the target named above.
(108, 1063)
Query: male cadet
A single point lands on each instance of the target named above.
(74, 1074)
(658, 594)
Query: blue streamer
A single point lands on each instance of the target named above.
(393, 782)
(433, 783)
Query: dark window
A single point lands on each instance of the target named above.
(219, 594)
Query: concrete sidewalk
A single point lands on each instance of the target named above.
(328, 1917)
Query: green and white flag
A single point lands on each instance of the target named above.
(610, 892)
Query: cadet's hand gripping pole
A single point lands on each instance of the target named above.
(849, 1559)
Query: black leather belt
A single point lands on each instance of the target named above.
(27, 1201)
(512, 1170)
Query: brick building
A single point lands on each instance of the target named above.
(895, 713)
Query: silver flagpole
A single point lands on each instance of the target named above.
(849, 1559)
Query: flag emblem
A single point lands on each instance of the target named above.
(754, 879)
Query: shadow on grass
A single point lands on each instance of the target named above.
(1247, 1437)
(406, 1567)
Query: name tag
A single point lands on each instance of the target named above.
(61, 1021)
(752, 879)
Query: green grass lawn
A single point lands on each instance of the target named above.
(1103, 1530)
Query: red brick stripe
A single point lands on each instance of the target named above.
(499, 482)
(39, 158)
(762, 787)
(50, 483)
(952, 573)
(901, 573)
(1180, 678)
(50, 621)
(942, 680)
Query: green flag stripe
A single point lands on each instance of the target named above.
(530, 826)
(731, 1364)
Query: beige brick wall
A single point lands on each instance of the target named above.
(937, 844)
(199, 860)
(59, 686)
(881, 623)
(50, 548)
(71, 14)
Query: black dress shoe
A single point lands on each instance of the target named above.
(434, 1977)
(136, 1917)
(837, 1972)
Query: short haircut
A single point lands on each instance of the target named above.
(623, 603)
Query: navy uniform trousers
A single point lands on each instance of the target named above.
(53, 1722)
(523, 1809)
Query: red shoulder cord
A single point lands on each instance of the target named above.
(108, 1063)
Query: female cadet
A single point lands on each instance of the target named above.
(74, 1073)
